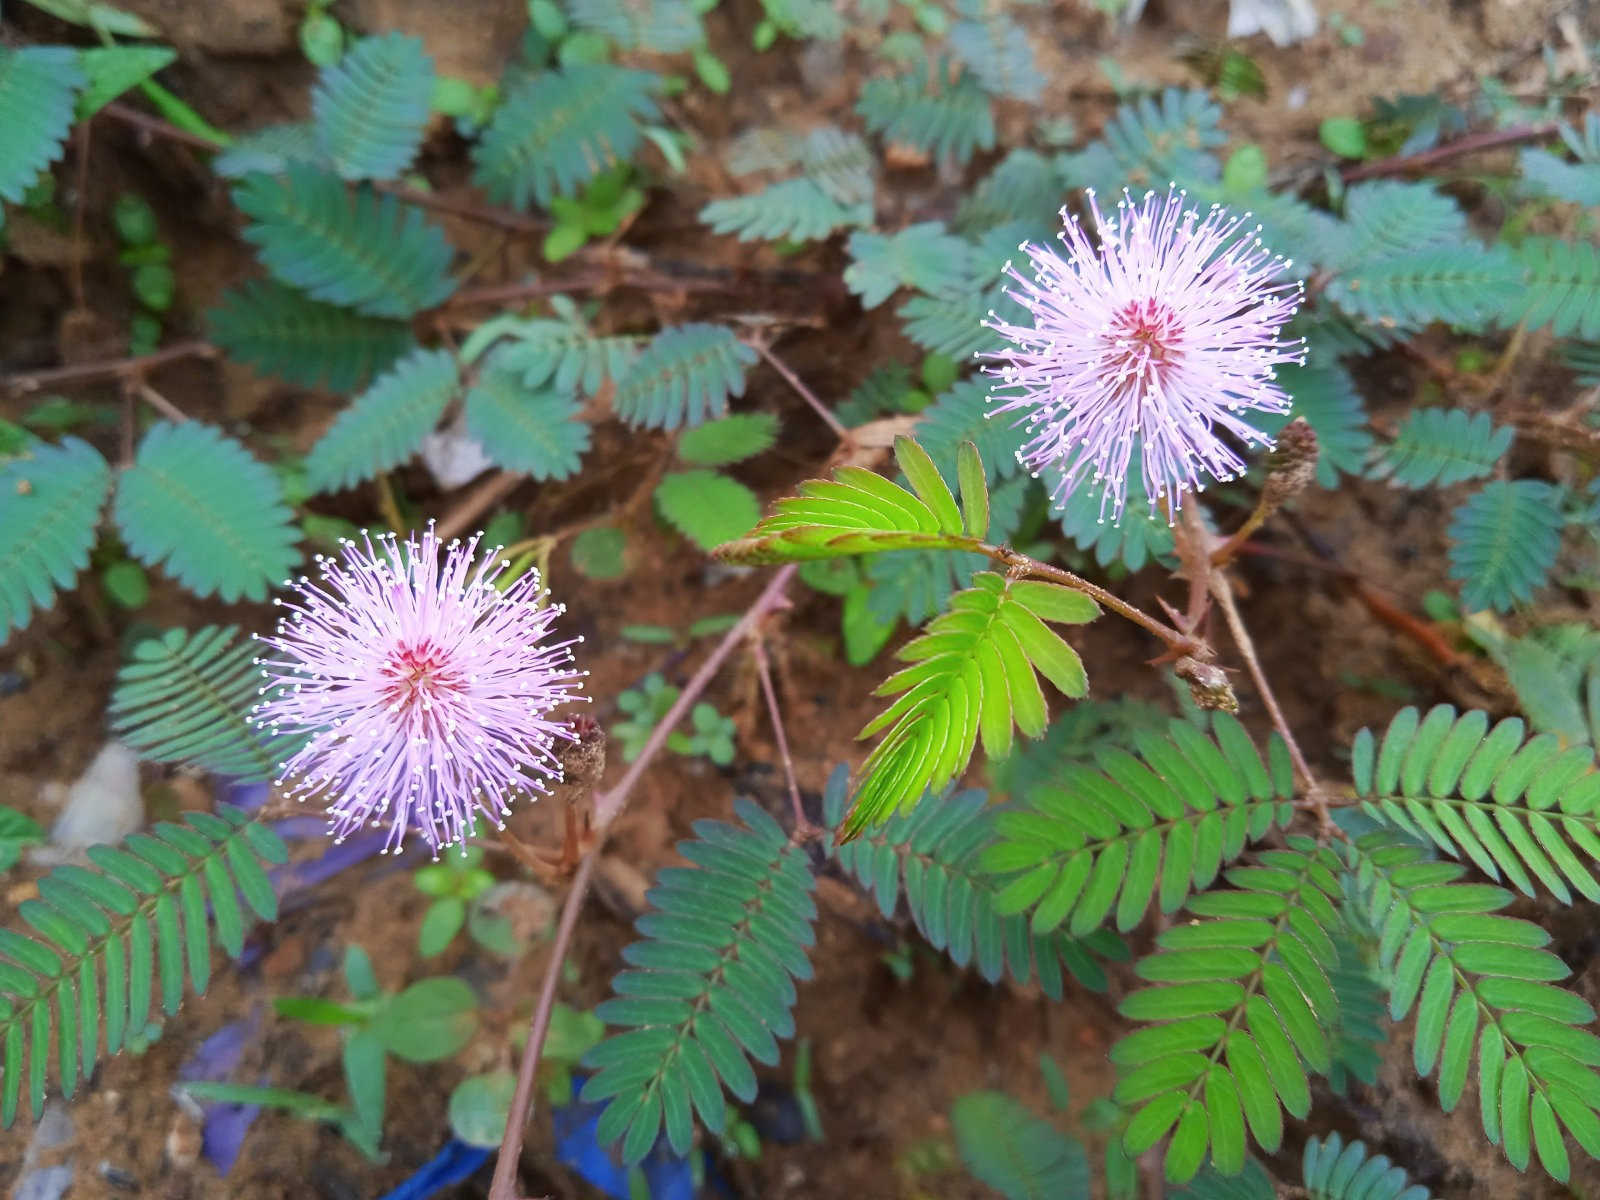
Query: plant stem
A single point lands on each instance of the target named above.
(804, 830)
(504, 1184)
(484, 215)
(1423, 633)
(1183, 643)
(806, 394)
(157, 127)
(1222, 591)
(608, 804)
(80, 201)
(160, 403)
(1226, 552)
(477, 502)
(606, 807)
(33, 381)
(1491, 139)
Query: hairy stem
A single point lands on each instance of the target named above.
(805, 393)
(804, 830)
(1222, 591)
(113, 368)
(1400, 164)
(1174, 639)
(484, 215)
(606, 807)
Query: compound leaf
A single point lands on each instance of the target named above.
(37, 87)
(386, 423)
(371, 107)
(50, 498)
(185, 698)
(85, 963)
(557, 130)
(1436, 447)
(279, 330)
(1504, 541)
(196, 503)
(360, 249)
(710, 987)
(683, 377)
(533, 430)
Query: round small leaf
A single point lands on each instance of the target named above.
(1344, 136)
(430, 1020)
(598, 553)
(479, 1105)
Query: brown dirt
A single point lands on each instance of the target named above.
(890, 1057)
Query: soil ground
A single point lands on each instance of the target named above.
(890, 1056)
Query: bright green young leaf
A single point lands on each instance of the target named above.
(728, 440)
(972, 674)
(706, 507)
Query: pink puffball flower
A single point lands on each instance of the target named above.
(1163, 338)
(421, 690)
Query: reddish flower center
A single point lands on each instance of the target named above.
(418, 675)
(1143, 339)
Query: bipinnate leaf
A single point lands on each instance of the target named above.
(1436, 447)
(710, 986)
(534, 430)
(1482, 986)
(557, 129)
(1021, 1156)
(973, 673)
(95, 935)
(1504, 542)
(50, 500)
(683, 377)
(185, 698)
(197, 504)
(859, 512)
(371, 107)
(1097, 843)
(946, 119)
(1520, 809)
(37, 87)
(932, 856)
(385, 425)
(1334, 1170)
(1236, 1015)
(354, 248)
(280, 330)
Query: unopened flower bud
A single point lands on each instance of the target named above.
(1292, 465)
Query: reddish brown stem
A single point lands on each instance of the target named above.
(161, 404)
(155, 126)
(593, 281)
(115, 368)
(504, 1184)
(804, 830)
(477, 502)
(1422, 160)
(805, 393)
(483, 214)
(606, 807)
(1424, 633)
(80, 201)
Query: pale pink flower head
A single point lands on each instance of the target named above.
(1163, 339)
(422, 692)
